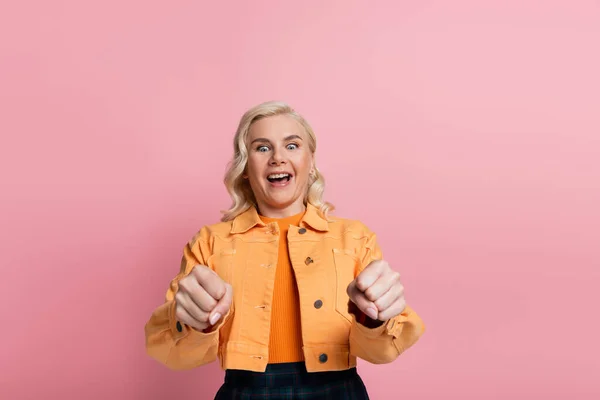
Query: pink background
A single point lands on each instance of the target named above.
(466, 133)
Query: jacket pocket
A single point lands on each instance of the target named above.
(345, 264)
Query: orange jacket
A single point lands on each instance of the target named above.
(326, 255)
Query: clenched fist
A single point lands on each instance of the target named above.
(202, 299)
(377, 291)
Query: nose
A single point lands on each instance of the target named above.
(277, 158)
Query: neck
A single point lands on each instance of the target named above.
(291, 210)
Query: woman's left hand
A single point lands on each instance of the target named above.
(378, 292)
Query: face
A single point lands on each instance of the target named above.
(279, 165)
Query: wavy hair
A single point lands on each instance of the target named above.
(239, 188)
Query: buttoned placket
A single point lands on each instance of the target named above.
(318, 303)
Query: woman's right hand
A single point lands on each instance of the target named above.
(202, 299)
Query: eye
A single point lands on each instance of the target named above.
(292, 146)
(262, 149)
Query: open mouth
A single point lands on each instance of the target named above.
(279, 178)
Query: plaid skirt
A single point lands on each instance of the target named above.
(291, 381)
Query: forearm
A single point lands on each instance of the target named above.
(176, 345)
(382, 342)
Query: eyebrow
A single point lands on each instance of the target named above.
(284, 139)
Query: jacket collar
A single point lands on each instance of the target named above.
(250, 218)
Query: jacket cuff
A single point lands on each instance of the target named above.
(180, 330)
(392, 327)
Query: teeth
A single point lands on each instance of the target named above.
(277, 176)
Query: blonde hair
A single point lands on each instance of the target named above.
(239, 188)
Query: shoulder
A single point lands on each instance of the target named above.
(208, 232)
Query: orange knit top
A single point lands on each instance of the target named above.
(285, 340)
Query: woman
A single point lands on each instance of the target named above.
(286, 296)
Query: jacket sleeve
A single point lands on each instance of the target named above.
(384, 343)
(170, 342)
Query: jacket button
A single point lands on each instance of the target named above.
(302, 231)
(318, 304)
(323, 358)
(179, 328)
(308, 260)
